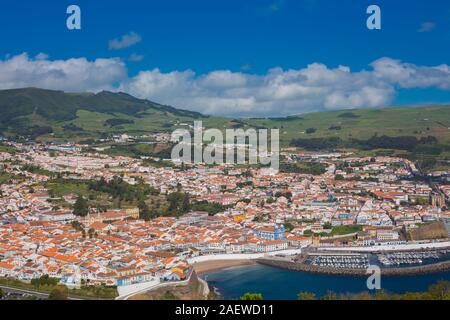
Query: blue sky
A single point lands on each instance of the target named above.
(217, 56)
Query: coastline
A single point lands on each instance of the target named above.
(215, 265)
(404, 271)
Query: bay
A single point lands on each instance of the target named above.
(281, 284)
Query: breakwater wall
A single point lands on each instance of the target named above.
(298, 266)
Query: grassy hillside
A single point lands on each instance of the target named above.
(47, 114)
(421, 134)
(39, 112)
(363, 124)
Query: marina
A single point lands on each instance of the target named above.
(412, 258)
(353, 261)
(362, 261)
(231, 283)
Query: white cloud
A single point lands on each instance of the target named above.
(42, 56)
(427, 27)
(246, 67)
(408, 75)
(127, 40)
(134, 57)
(72, 75)
(278, 92)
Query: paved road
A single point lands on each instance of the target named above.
(39, 295)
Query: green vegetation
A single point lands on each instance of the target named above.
(58, 105)
(117, 122)
(288, 227)
(307, 233)
(100, 292)
(211, 208)
(134, 150)
(61, 187)
(72, 127)
(314, 168)
(158, 164)
(336, 231)
(327, 225)
(169, 296)
(84, 114)
(37, 170)
(44, 281)
(59, 293)
(117, 193)
(419, 133)
(252, 296)
(7, 149)
(343, 230)
(121, 190)
(6, 177)
(81, 207)
(178, 204)
(38, 113)
(426, 145)
(365, 123)
(437, 291)
(306, 296)
(287, 195)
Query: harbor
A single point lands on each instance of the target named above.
(231, 283)
(351, 263)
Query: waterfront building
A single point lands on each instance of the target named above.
(275, 233)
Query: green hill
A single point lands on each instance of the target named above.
(364, 124)
(47, 114)
(38, 112)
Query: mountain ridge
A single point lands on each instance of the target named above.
(60, 105)
(54, 114)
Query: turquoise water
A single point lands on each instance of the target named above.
(276, 284)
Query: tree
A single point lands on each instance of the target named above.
(287, 195)
(91, 233)
(178, 204)
(59, 293)
(288, 226)
(252, 296)
(327, 225)
(169, 296)
(439, 291)
(330, 295)
(77, 225)
(44, 280)
(144, 211)
(304, 295)
(81, 207)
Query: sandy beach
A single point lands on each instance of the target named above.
(207, 266)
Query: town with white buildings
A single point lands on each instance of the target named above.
(354, 201)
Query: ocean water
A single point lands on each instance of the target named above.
(282, 284)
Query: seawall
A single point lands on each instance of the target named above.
(295, 266)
